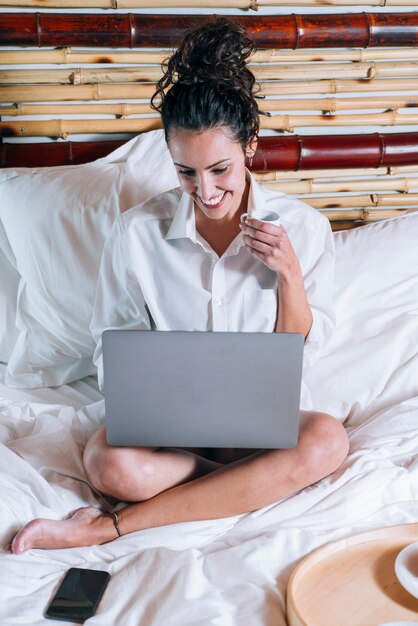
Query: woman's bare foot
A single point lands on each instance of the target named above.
(87, 526)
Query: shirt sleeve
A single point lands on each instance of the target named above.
(119, 301)
(319, 285)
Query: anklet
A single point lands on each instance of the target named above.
(115, 519)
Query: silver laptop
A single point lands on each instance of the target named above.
(202, 389)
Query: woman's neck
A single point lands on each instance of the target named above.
(219, 233)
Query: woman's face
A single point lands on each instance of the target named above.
(211, 169)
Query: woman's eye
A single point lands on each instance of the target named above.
(191, 173)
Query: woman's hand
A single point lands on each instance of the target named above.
(272, 246)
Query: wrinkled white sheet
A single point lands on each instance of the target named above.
(226, 572)
(76, 394)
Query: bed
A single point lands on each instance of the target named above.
(229, 571)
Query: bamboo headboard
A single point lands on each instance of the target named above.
(318, 73)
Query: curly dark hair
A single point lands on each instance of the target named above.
(207, 83)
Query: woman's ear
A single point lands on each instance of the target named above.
(251, 147)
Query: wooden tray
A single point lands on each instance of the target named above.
(352, 582)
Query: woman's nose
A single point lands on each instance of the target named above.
(204, 188)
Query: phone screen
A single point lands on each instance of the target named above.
(78, 595)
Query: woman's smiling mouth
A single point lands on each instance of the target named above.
(214, 202)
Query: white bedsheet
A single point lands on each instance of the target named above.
(76, 394)
(226, 572)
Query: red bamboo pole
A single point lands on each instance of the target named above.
(132, 30)
(302, 152)
(50, 154)
(296, 152)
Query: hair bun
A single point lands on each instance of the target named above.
(207, 84)
(215, 52)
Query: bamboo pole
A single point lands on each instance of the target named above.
(362, 55)
(346, 71)
(288, 123)
(338, 226)
(69, 55)
(262, 72)
(333, 86)
(326, 105)
(109, 91)
(284, 153)
(310, 3)
(133, 4)
(194, 4)
(80, 76)
(304, 152)
(270, 176)
(97, 92)
(391, 201)
(121, 109)
(63, 128)
(336, 3)
(366, 215)
(312, 186)
(53, 153)
(333, 105)
(133, 30)
(156, 57)
(276, 176)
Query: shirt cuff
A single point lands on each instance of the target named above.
(316, 340)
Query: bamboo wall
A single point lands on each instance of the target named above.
(340, 83)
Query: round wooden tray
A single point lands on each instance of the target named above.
(352, 582)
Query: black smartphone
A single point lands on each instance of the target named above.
(78, 595)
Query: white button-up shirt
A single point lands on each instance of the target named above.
(157, 272)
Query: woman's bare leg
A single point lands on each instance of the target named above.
(244, 485)
(137, 474)
(127, 474)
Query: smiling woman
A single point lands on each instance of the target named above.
(211, 121)
(184, 261)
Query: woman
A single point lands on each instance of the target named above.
(183, 261)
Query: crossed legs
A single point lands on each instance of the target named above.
(168, 485)
(137, 474)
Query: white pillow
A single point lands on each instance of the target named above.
(9, 283)
(371, 362)
(56, 221)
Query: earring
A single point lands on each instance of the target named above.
(250, 160)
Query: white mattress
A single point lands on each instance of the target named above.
(228, 572)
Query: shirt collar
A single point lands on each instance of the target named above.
(183, 224)
(256, 197)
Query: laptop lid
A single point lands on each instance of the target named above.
(202, 389)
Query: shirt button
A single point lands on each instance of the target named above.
(219, 302)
